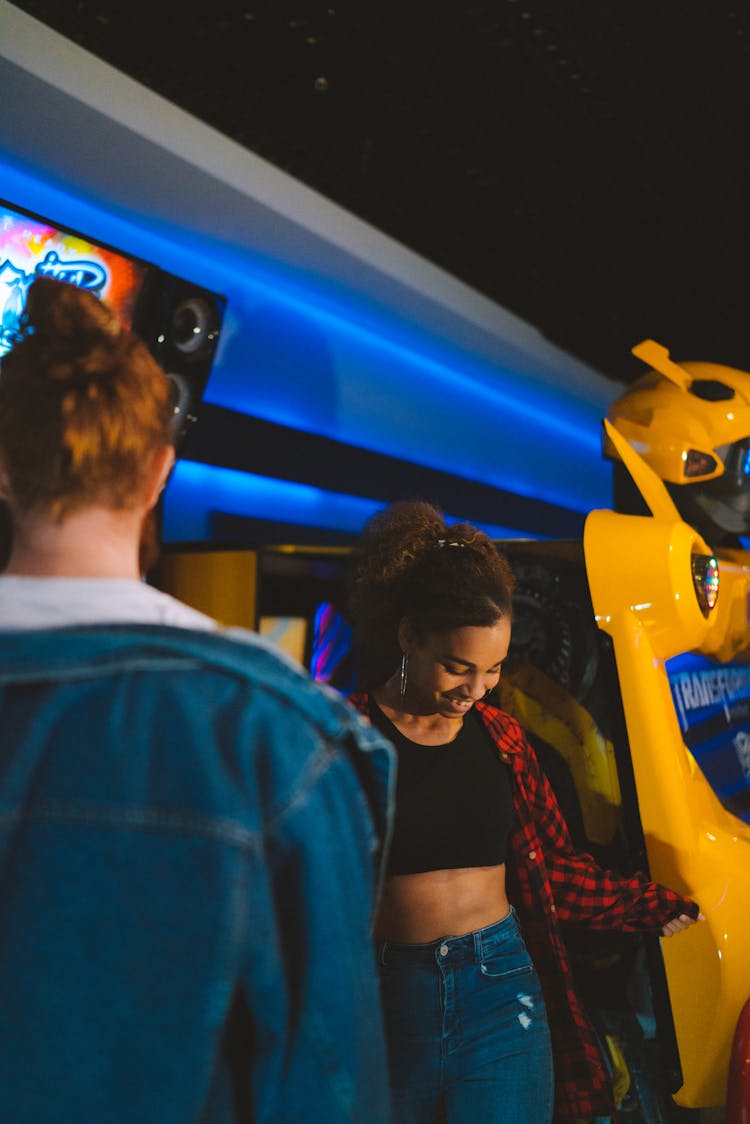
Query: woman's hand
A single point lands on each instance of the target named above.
(677, 924)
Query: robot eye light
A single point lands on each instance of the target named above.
(706, 580)
(746, 463)
(698, 463)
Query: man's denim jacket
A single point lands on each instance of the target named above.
(192, 842)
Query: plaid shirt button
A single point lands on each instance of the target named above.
(532, 855)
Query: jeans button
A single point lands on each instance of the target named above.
(443, 950)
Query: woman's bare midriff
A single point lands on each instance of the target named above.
(417, 908)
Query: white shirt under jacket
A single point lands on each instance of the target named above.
(31, 603)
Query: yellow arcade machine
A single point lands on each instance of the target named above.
(630, 670)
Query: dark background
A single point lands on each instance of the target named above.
(584, 164)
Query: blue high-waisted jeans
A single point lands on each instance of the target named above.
(467, 1030)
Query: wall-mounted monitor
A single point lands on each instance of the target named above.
(179, 320)
(31, 246)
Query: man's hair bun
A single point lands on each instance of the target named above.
(69, 315)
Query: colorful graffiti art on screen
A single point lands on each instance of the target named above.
(31, 247)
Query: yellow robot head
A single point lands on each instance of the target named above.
(691, 423)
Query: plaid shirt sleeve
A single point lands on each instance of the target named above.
(551, 883)
(583, 891)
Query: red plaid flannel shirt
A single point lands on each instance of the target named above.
(549, 882)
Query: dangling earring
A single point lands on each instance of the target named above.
(402, 678)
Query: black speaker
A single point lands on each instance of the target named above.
(180, 323)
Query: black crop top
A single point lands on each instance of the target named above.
(454, 803)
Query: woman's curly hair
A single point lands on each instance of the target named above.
(409, 564)
(82, 405)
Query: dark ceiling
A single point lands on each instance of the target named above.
(585, 164)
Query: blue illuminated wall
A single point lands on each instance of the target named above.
(354, 378)
(332, 332)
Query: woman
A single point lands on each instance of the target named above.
(476, 828)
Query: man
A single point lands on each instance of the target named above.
(191, 832)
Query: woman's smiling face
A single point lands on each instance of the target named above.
(449, 671)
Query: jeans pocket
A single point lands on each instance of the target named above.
(498, 972)
(506, 963)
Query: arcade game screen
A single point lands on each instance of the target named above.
(30, 247)
(301, 608)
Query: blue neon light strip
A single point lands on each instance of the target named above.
(526, 405)
(86, 216)
(195, 491)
